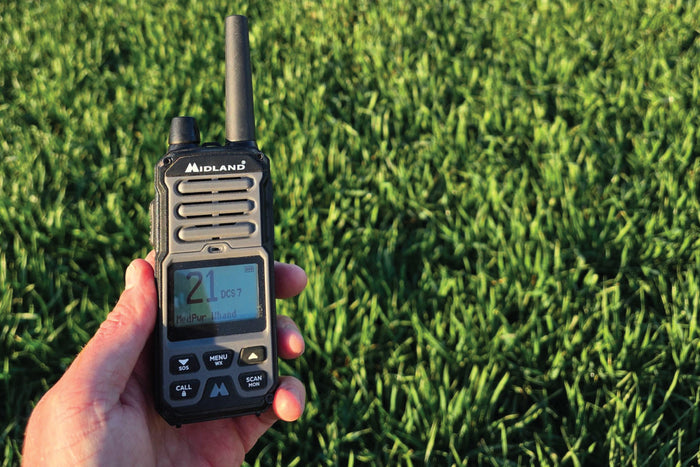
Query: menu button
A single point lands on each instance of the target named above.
(218, 359)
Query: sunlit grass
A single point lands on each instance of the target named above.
(496, 204)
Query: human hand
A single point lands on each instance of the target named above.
(101, 410)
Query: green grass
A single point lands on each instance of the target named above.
(497, 204)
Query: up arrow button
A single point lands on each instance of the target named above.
(252, 355)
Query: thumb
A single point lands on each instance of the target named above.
(104, 366)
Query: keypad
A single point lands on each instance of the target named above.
(218, 385)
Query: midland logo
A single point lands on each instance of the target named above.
(192, 167)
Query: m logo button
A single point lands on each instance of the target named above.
(219, 387)
(218, 390)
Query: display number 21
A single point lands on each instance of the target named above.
(198, 275)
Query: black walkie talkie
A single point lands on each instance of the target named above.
(212, 227)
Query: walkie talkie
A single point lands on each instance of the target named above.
(212, 228)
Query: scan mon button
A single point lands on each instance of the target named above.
(253, 381)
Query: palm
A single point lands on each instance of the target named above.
(218, 442)
(101, 410)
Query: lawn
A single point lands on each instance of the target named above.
(497, 204)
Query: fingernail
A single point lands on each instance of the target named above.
(130, 277)
(288, 404)
(296, 344)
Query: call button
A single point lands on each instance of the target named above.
(182, 390)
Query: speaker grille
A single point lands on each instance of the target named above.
(215, 208)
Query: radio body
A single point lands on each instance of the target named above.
(213, 231)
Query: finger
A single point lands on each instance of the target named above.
(107, 361)
(290, 280)
(290, 398)
(151, 258)
(288, 405)
(290, 343)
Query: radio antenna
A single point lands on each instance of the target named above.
(240, 119)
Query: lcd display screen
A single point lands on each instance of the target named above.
(215, 295)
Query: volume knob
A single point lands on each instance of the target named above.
(183, 130)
